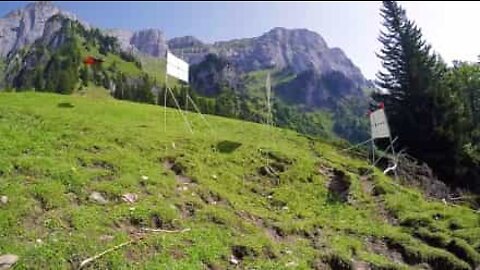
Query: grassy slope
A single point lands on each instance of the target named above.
(127, 68)
(53, 157)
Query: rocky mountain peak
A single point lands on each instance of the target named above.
(23, 26)
(150, 41)
(184, 42)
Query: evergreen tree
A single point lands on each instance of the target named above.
(425, 114)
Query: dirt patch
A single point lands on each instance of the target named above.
(129, 226)
(415, 173)
(370, 188)
(159, 223)
(360, 265)
(177, 253)
(331, 262)
(378, 246)
(182, 179)
(240, 252)
(339, 187)
(133, 225)
(179, 171)
(275, 164)
(212, 266)
(170, 164)
(269, 253)
(325, 171)
(26, 171)
(318, 264)
(261, 190)
(107, 170)
(104, 165)
(188, 209)
(95, 149)
(33, 221)
(210, 197)
(274, 232)
(138, 253)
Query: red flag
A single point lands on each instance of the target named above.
(89, 60)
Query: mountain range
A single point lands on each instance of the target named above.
(307, 74)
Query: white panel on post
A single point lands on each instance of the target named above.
(379, 125)
(177, 68)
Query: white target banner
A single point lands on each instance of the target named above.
(177, 68)
(379, 125)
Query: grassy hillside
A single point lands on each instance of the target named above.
(271, 198)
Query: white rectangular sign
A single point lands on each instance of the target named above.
(177, 68)
(379, 125)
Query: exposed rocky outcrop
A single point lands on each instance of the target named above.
(23, 26)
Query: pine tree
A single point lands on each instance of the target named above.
(410, 73)
(423, 112)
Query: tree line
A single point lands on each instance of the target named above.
(433, 108)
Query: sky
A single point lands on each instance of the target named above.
(352, 26)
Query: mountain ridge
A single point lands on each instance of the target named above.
(31, 19)
(333, 86)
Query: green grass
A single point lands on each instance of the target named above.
(54, 156)
(128, 68)
(94, 92)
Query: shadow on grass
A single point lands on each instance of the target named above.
(65, 105)
(227, 146)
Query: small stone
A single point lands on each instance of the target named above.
(291, 264)
(7, 261)
(97, 197)
(106, 237)
(285, 208)
(129, 197)
(4, 199)
(39, 241)
(214, 177)
(269, 196)
(233, 260)
(184, 188)
(144, 177)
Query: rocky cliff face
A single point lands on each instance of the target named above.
(190, 48)
(123, 36)
(297, 50)
(23, 26)
(150, 41)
